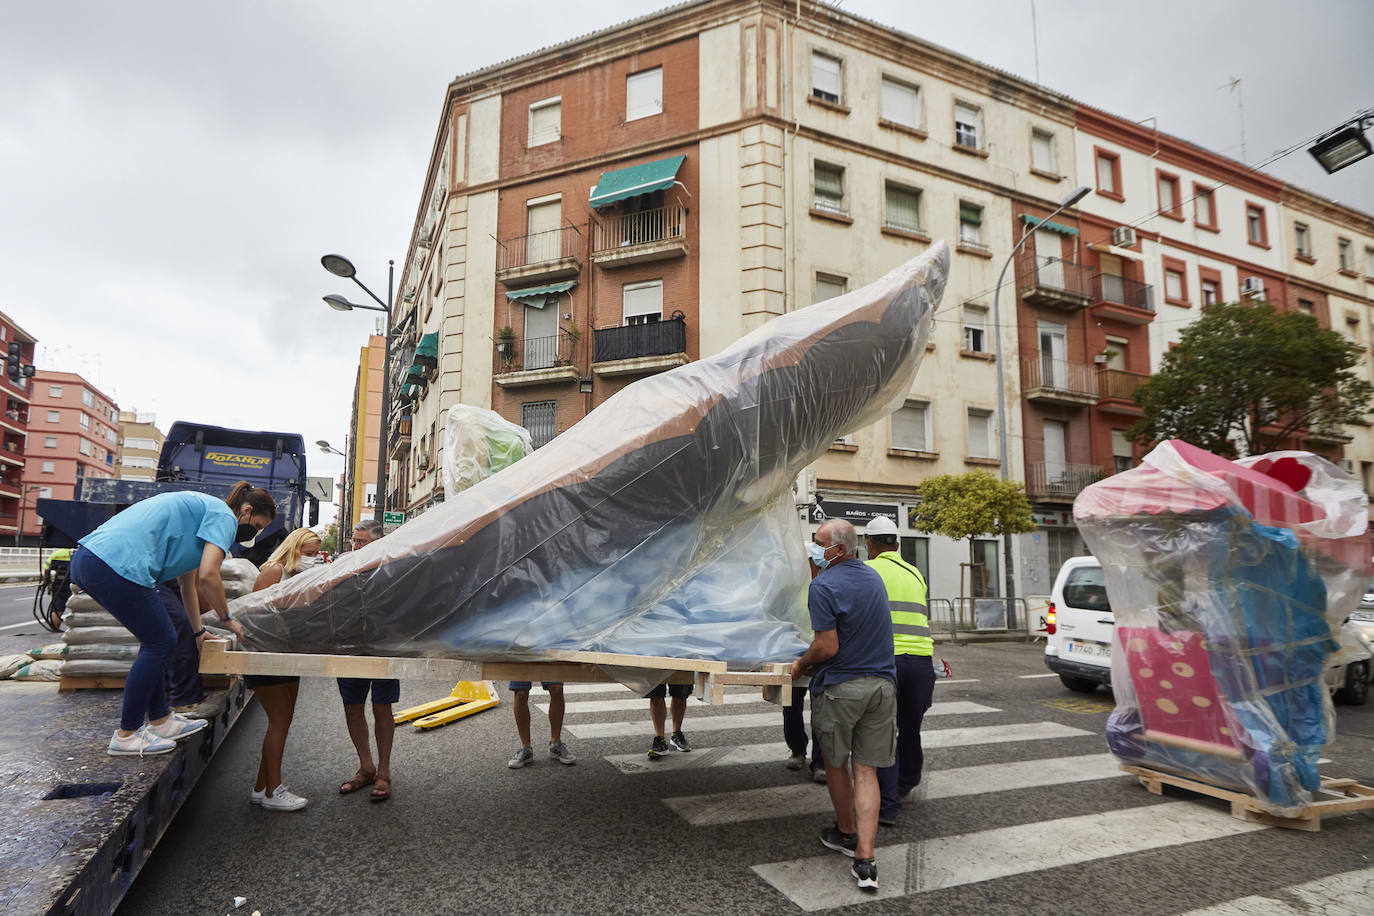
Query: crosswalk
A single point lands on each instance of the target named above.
(1066, 760)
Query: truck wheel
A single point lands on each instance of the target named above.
(1079, 684)
(1356, 689)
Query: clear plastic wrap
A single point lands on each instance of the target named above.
(478, 443)
(1229, 582)
(661, 524)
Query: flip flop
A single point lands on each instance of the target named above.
(382, 790)
(357, 782)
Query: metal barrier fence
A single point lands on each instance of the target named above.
(950, 616)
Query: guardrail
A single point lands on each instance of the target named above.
(975, 615)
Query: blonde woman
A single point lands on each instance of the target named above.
(277, 695)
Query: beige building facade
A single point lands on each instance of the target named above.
(140, 445)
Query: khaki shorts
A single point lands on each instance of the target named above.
(857, 717)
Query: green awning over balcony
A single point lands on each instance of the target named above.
(428, 347)
(644, 178)
(537, 296)
(1052, 227)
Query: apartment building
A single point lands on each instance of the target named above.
(140, 445)
(363, 446)
(17, 495)
(643, 196)
(74, 434)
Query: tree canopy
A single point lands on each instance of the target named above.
(1250, 377)
(971, 505)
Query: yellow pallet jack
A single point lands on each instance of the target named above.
(467, 698)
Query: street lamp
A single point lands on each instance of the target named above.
(1026, 231)
(340, 266)
(328, 449)
(1346, 145)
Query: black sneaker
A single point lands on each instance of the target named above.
(659, 748)
(679, 741)
(865, 871)
(832, 838)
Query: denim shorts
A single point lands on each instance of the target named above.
(526, 685)
(353, 690)
(857, 717)
(676, 691)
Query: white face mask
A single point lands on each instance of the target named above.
(307, 562)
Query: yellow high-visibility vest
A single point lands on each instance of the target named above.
(906, 594)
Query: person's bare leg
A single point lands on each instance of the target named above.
(679, 711)
(278, 701)
(658, 714)
(522, 716)
(385, 727)
(555, 715)
(842, 796)
(867, 799)
(355, 717)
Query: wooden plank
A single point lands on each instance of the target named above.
(69, 683)
(1350, 797)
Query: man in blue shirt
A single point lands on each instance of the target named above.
(853, 690)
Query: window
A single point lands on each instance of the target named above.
(541, 419)
(1211, 293)
(49, 467)
(1175, 282)
(45, 492)
(84, 446)
(1168, 195)
(911, 427)
(979, 433)
(1343, 250)
(87, 398)
(644, 94)
(1257, 232)
(829, 188)
(642, 302)
(138, 461)
(110, 437)
(543, 217)
(541, 335)
(1302, 242)
(975, 328)
(1123, 455)
(546, 121)
(986, 578)
(828, 286)
(1204, 212)
(145, 444)
(1108, 165)
(1307, 307)
(84, 419)
(970, 224)
(916, 551)
(968, 125)
(825, 77)
(54, 391)
(50, 442)
(901, 208)
(1369, 262)
(54, 416)
(1042, 151)
(901, 104)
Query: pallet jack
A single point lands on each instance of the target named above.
(467, 698)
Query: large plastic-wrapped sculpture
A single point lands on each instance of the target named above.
(478, 443)
(662, 524)
(1229, 582)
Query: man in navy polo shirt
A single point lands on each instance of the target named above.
(853, 691)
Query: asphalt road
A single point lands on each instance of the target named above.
(1020, 812)
(16, 610)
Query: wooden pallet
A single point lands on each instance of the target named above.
(710, 678)
(1336, 796)
(69, 683)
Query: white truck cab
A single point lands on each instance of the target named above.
(1080, 626)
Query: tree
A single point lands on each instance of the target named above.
(329, 543)
(971, 505)
(1251, 377)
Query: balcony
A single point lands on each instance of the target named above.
(1059, 382)
(1116, 391)
(622, 239)
(8, 488)
(535, 360)
(399, 441)
(1124, 300)
(538, 257)
(1327, 436)
(639, 349)
(1053, 282)
(1057, 482)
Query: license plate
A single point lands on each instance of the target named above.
(1093, 649)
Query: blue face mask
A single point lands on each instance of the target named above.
(818, 554)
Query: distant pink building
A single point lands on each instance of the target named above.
(73, 433)
(14, 427)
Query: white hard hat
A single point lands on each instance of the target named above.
(879, 526)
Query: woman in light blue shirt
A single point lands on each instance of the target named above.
(183, 536)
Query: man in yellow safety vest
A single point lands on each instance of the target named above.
(913, 648)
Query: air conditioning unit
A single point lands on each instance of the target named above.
(1123, 237)
(1252, 286)
(422, 461)
(1347, 465)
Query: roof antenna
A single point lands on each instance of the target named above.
(1035, 42)
(1234, 85)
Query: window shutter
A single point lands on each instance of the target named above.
(909, 428)
(1042, 151)
(971, 214)
(901, 104)
(644, 94)
(829, 180)
(643, 300)
(1105, 177)
(902, 209)
(545, 123)
(825, 74)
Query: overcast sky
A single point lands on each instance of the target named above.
(171, 172)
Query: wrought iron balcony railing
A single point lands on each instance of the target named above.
(655, 338)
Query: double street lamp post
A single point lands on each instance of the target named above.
(340, 266)
(1003, 462)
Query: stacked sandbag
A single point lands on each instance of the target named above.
(95, 644)
(238, 575)
(26, 668)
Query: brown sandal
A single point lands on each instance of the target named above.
(359, 781)
(382, 790)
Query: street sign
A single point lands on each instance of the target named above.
(391, 519)
(322, 488)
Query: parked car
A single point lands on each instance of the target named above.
(1080, 626)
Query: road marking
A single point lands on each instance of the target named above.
(1346, 894)
(777, 752)
(748, 720)
(639, 703)
(966, 680)
(1028, 677)
(28, 623)
(809, 798)
(821, 882)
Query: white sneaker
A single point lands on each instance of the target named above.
(141, 743)
(256, 796)
(176, 727)
(283, 799)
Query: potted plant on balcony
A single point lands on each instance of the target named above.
(505, 344)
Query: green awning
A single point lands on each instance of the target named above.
(540, 293)
(1052, 227)
(428, 346)
(644, 178)
(971, 214)
(414, 376)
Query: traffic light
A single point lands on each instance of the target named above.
(12, 361)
